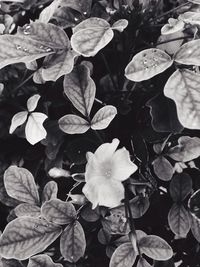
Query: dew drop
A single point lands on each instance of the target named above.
(76, 19)
(25, 49)
(85, 13)
(48, 49)
(27, 29)
(42, 47)
(145, 62)
(18, 47)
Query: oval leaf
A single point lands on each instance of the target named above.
(179, 220)
(42, 261)
(48, 12)
(183, 88)
(80, 89)
(17, 120)
(90, 36)
(163, 168)
(139, 206)
(50, 191)
(180, 187)
(34, 130)
(189, 53)
(26, 209)
(143, 263)
(58, 211)
(72, 242)
(73, 124)
(155, 247)
(195, 228)
(32, 102)
(123, 256)
(11, 263)
(147, 64)
(120, 25)
(26, 236)
(20, 184)
(194, 204)
(103, 117)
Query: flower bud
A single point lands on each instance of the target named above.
(58, 172)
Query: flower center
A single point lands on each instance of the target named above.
(108, 173)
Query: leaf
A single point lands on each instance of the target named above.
(123, 256)
(72, 242)
(180, 187)
(48, 12)
(73, 124)
(42, 261)
(57, 65)
(183, 88)
(143, 263)
(26, 209)
(58, 211)
(174, 25)
(34, 130)
(163, 168)
(50, 191)
(90, 36)
(120, 25)
(11, 263)
(139, 206)
(195, 228)
(188, 148)
(190, 17)
(179, 220)
(155, 248)
(194, 204)
(32, 102)
(103, 117)
(80, 89)
(189, 54)
(195, 1)
(163, 114)
(89, 215)
(146, 64)
(83, 6)
(31, 42)
(104, 236)
(20, 184)
(17, 120)
(26, 236)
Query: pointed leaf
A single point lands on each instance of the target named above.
(189, 53)
(155, 247)
(120, 25)
(180, 187)
(50, 191)
(147, 64)
(26, 209)
(26, 236)
(90, 36)
(58, 211)
(72, 242)
(42, 261)
(57, 65)
(143, 263)
(32, 102)
(20, 184)
(34, 130)
(48, 12)
(179, 220)
(72, 124)
(123, 256)
(31, 42)
(163, 168)
(195, 228)
(194, 204)
(188, 148)
(183, 88)
(103, 117)
(80, 89)
(17, 120)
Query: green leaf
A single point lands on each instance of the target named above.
(58, 211)
(120, 25)
(31, 42)
(33, 102)
(89, 215)
(73, 124)
(188, 148)
(194, 204)
(42, 261)
(123, 256)
(103, 117)
(180, 186)
(179, 220)
(26, 236)
(72, 242)
(57, 65)
(26, 209)
(143, 263)
(50, 191)
(195, 228)
(20, 184)
(155, 247)
(146, 64)
(17, 120)
(83, 6)
(80, 89)
(48, 12)
(163, 168)
(189, 54)
(139, 206)
(34, 130)
(104, 236)
(183, 88)
(11, 263)
(90, 36)
(190, 17)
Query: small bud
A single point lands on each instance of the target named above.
(77, 199)
(58, 172)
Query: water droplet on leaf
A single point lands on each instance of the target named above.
(27, 29)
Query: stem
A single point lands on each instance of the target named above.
(74, 186)
(24, 82)
(100, 102)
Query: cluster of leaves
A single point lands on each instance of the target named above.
(75, 74)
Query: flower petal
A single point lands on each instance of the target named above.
(105, 151)
(90, 190)
(122, 166)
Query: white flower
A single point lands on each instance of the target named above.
(105, 171)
